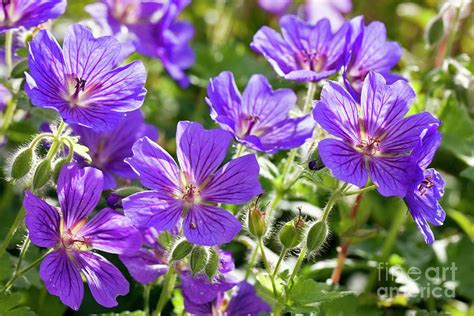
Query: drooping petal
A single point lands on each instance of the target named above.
(209, 226)
(155, 167)
(247, 302)
(382, 104)
(149, 209)
(337, 113)
(343, 161)
(62, 278)
(200, 151)
(200, 290)
(112, 232)
(106, 282)
(42, 221)
(430, 140)
(144, 266)
(235, 183)
(79, 191)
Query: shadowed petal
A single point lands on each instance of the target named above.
(428, 144)
(247, 302)
(343, 161)
(79, 191)
(235, 183)
(144, 266)
(209, 226)
(42, 221)
(106, 282)
(112, 232)
(62, 278)
(199, 290)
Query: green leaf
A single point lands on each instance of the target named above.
(307, 292)
(20, 68)
(14, 305)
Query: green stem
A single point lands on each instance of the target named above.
(267, 266)
(309, 97)
(16, 223)
(280, 259)
(7, 119)
(332, 201)
(146, 299)
(56, 142)
(299, 261)
(239, 150)
(24, 249)
(168, 285)
(369, 188)
(253, 257)
(8, 51)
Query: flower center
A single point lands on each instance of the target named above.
(6, 12)
(369, 147)
(190, 193)
(311, 60)
(248, 124)
(426, 183)
(72, 242)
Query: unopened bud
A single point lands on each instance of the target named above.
(256, 220)
(315, 163)
(317, 235)
(58, 166)
(292, 233)
(181, 250)
(22, 164)
(198, 259)
(212, 264)
(42, 174)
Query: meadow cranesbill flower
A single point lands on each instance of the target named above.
(259, 118)
(152, 29)
(369, 50)
(306, 52)
(192, 190)
(423, 196)
(332, 10)
(275, 7)
(72, 237)
(81, 81)
(5, 96)
(17, 13)
(109, 149)
(374, 139)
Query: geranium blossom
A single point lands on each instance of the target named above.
(374, 138)
(68, 231)
(81, 80)
(191, 190)
(259, 118)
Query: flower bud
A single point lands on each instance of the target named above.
(181, 250)
(292, 233)
(256, 223)
(198, 259)
(42, 174)
(315, 163)
(317, 234)
(58, 166)
(212, 264)
(22, 164)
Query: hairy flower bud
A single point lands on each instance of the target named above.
(212, 264)
(317, 234)
(292, 233)
(181, 250)
(256, 223)
(198, 259)
(22, 164)
(58, 166)
(42, 174)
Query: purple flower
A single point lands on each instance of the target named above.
(244, 302)
(305, 52)
(369, 50)
(191, 190)
(374, 139)
(109, 149)
(81, 81)
(17, 13)
(423, 196)
(152, 29)
(68, 231)
(258, 119)
(275, 7)
(5, 97)
(333, 10)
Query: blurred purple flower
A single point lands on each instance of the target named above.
(305, 52)
(277, 8)
(190, 190)
(81, 81)
(423, 195)
(17, 13)
(5, 97)
(68, 231)
(152, 29)
(333, 10)
(369, 50)
(258, 119)
(109, 149)
(376, 142)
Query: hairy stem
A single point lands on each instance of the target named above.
(24, 249)
(297, 267)
(280, 259)
(16, 223)
(267, 266)
(253, 257)
(309, 97)
(368, 188)
(168, 285)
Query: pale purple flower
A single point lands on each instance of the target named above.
(423, 196)
(81, 81)
(72, 238)
(190, 192)
(333, 10)
(152, 29)
(276, 7)
(305, 52)
(109, 149)
(5, 97)
(29, 13)
(259, 118)
(373, 139)
(369, 50)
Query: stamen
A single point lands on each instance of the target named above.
(311, 60)
(369, 147)
(426, 183)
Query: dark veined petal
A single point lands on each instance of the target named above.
(235, 183)
(79, 191)
(247, 302)
(303, 36)
(200, 151)
(42, 221)
(209, 226)
(343, 161)
(62, 278)
(149, 209)
(144, 266)
(112, 232)
(106, 282)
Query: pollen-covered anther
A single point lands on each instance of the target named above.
(190, 193)
(369, 147)
(426, 183)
